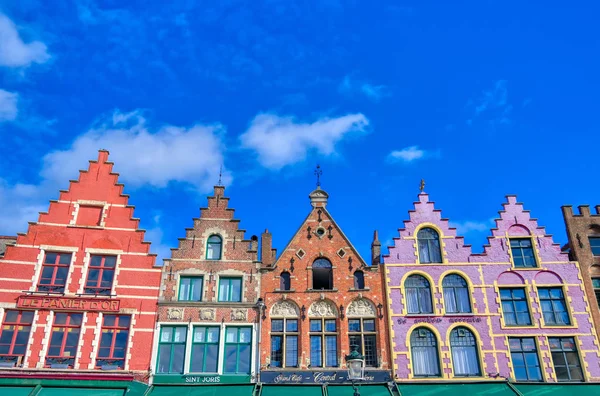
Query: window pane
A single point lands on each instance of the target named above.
(353, 324)
(213, 334)
(244, 364)
(224, 285)
(180, 333)
(230, 358)
(231, 334)
(212, 357)
(330, 325)
(315, 325)
(236, 292)
(315, 351)
(277, 351)
(178, 358)
(331, 351)
(291, 351)
(245, 334)
(197, 359)
(200, 334)
(292, 325)
(277, 325)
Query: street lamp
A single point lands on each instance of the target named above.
(356, 367)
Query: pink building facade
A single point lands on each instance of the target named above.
(516, 311)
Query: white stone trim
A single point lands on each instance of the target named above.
(82, 331)
(214, 231)
(96, 341)
(191, 272)
(83, 202)
(34, 325)
(18, 262)
(132, 330)
(86, 264)
(46, 339)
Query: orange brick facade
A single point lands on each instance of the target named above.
(319, 237)
(216, 307)
(90, 224)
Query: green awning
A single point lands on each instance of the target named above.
(462, 389)
(202, 390)
(63, 391)
(15, 390)
(291, 390)
(558, 389)
(365, 390)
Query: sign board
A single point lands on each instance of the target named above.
(68, 303)
(201, 379)
(320, 377)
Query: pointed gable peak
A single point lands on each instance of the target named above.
(103, 156)
(318, 198)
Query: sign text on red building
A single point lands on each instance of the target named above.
(68, 303)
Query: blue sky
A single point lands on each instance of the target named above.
(481, 99)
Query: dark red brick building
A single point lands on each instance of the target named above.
(79, 289)
(321, 297)
(207, 321)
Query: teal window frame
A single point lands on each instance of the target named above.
(594, 245)
(229, 279)
(172, 343)
(189, 291)
(238, 344)
(204, 345)
(211, 241)
(596, 287)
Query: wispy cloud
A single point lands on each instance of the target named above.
(408, 154)
(466, 227)
(147, 156)
(14, 52)
(280, 141)
(8, 105)
(492, 105)
(350, 86)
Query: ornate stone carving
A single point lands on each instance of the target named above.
(322, 308)
(175, 313)
(207, 314)
(285, 308)
(239, 314)
(361, 307)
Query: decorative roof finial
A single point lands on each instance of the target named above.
(220, 175)
(318, 173)
(422, 185)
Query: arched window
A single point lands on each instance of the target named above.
(359, 280)
(323, 334)
(322, 274)
(362, 332)
(214, 247)
(456, 294)
(429, 246)
(285, 281)
(418, 295)
(425, 358)
(465, 358)
(284, 334)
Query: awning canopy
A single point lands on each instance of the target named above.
(201, 390)
(581, 389)
(291, 390)
(462, 389)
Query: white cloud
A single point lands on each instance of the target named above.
(14, 52)
(373, 92)
(18, 204)
(466, 227)
(407, 154)
(281, 141)
(8, 105)
(155, 236)
(146, 157)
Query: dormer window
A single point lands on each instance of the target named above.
(429, 246)
(214, 247)
(285, 281)
(322, 272)
(522, 253)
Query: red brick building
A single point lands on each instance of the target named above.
(207, 321)
(321, 297)
(79, 290)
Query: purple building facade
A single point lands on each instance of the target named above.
(516, 311)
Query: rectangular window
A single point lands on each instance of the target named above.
(595, 245)
(238, 350)
(565, 357)
(54, 272)
(323, 343)
(522, 253)
(523, 353)
(361, 332)
(100, 275)
(205, 349)
(171, 350)
(230, 289)
(284, 342)
(596, 285)
(113, 342)
(553, 306)
(64, 340)
(514, 307)
(14, 336)
(190, 288)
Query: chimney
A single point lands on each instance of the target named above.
(375, 249)
(266, 253)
